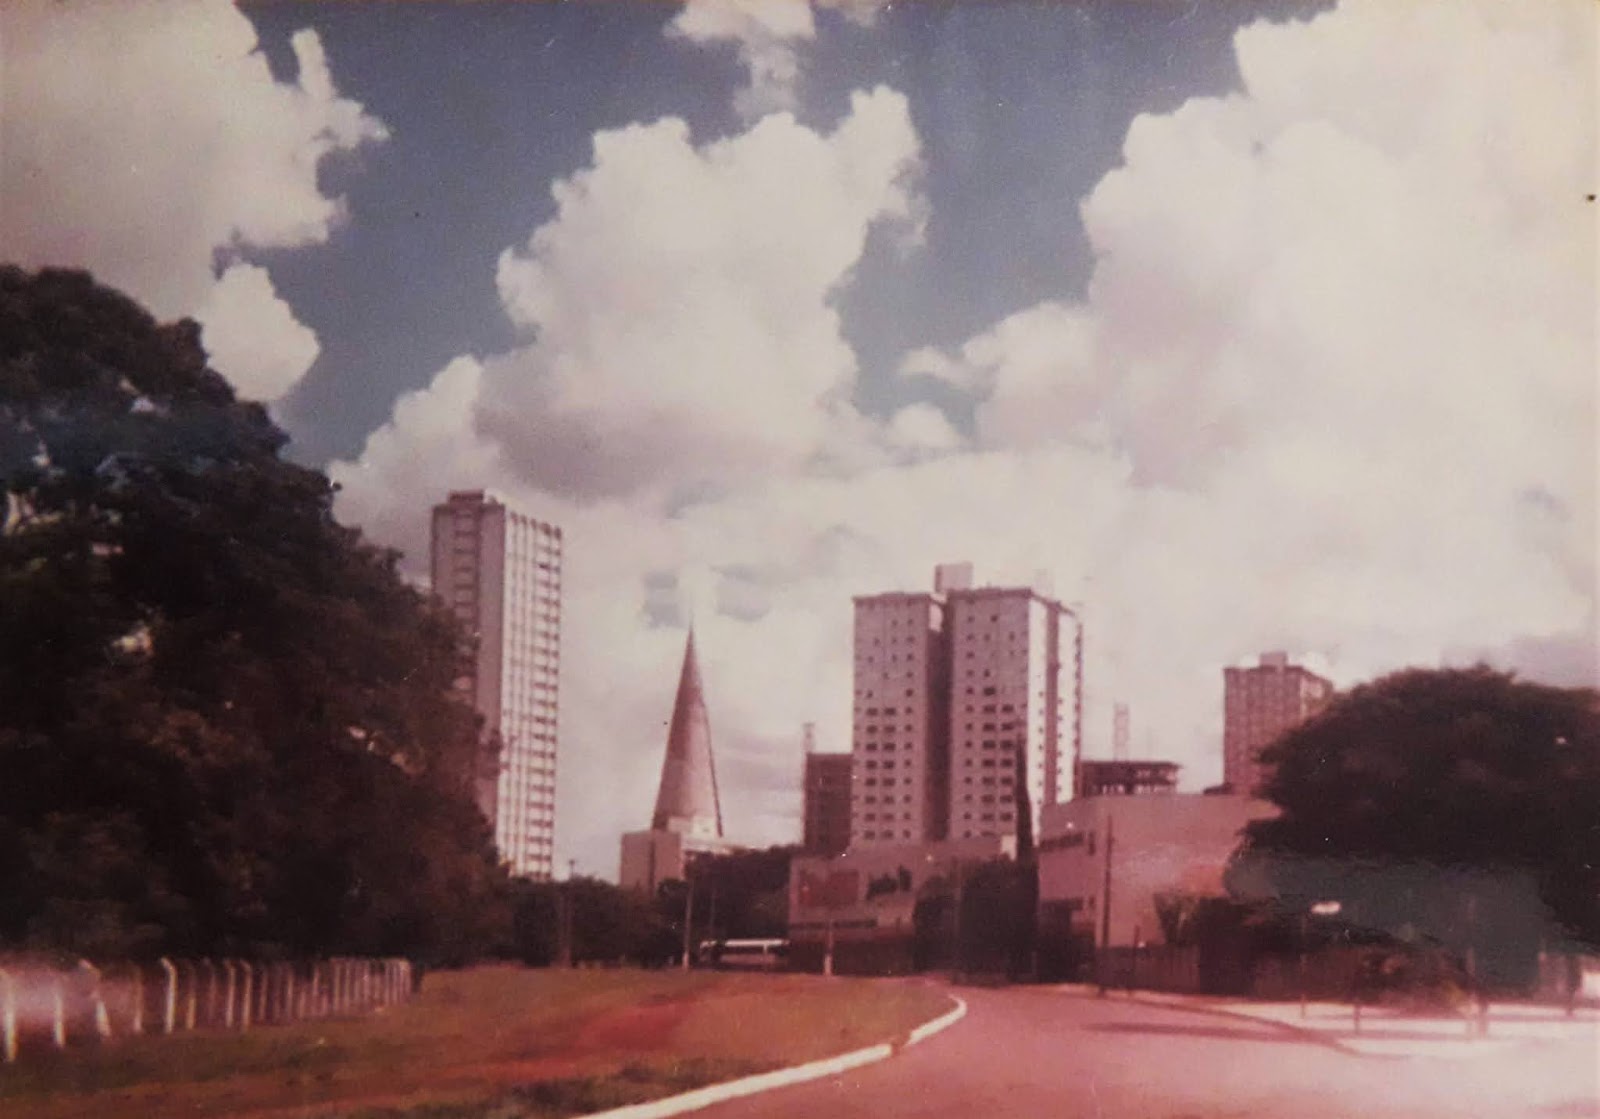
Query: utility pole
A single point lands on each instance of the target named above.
(827, 947)
(1305, 923)
(1105, 905)
(688, 914)
(1479, 1024)
(566, 900)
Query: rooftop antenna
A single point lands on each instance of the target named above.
(1119, 732)
(808, 735)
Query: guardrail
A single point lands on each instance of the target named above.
(45, 1007)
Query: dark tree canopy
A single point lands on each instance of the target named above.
(1456, 803)
(226, 723)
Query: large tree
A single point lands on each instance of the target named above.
(226, 723)
(1458, 805)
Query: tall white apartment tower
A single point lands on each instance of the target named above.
(1015, 709)
(900, 726)
(967, 711)
(499, 572)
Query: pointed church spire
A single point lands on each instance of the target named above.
(688, 802)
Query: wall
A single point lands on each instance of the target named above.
(1170, 843)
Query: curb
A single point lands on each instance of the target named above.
(1307, 1034)
(779, 1078)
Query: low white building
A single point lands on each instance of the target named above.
(1178, 843)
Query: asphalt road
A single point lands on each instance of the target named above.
(1033, 1054)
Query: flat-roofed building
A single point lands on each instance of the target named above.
(865, 901)
(1014, 709)
(826, 812)
(499, 572)
(900, 731)
(1170, 846)
(1126, 777)
(967, 711)
(1259, 704)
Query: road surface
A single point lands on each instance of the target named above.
(1040, 1054)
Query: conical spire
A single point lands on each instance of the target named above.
(687, 802)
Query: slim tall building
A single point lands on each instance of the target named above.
(968, 712)
(1014, 710)
(901, 725)
(499, 572)
(1259, 704)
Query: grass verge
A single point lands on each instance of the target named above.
(489, 1043)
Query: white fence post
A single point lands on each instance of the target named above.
(191, 997)
(102, 1018)
(136, 1019)
(8, 1014)
(237, 994)
(227, 997)
(58, 1026)
(210, 1013)
(249, 974)
(169, 1006)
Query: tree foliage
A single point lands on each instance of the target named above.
(598, 922)
(1452, 805)
(226, 723)
(744, 893)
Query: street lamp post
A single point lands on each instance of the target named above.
(1478, 1023)
(1104, 963)
(564, 908)
(1319, 909)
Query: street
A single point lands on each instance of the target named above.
(1038, 1053)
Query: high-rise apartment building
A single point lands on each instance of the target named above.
(1014, 710)
(1259, 704)
(826, 814)
(901, 725)
(499, 572)
(968, 711)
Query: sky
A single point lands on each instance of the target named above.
(1253, 326)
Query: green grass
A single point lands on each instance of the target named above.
(498, 1042)
(575, 1095)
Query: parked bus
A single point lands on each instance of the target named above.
(768, 954)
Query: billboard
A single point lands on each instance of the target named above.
(873, 891)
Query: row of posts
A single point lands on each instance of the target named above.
(176, 996)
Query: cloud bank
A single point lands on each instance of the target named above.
(768, 35)
(1330, 390)
(146, 141)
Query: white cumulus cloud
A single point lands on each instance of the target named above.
(143, 139)
(1330, 390)
(680, 301)
(252, 333)
(767, 35)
